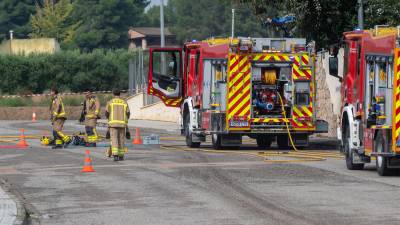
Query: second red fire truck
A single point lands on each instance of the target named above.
(370, 118)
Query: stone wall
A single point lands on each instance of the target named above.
(328, 94)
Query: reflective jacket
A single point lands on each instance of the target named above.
(117, 112)
(57, 109)
(92, 108)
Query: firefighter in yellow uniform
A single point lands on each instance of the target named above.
(58, 117)
(117, 112)
(92, 113)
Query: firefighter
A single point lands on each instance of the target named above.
(58, 117)
(117, 112)
(92, 112)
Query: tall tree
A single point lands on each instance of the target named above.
(207, 18)
(14, 15)
(106, 22)
(382, 12)
(53, 21)
(323, 21)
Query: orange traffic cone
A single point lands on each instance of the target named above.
(22, 140)
(137, 140)
(33, 117)
(87, 166)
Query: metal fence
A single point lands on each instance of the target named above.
(138, 69)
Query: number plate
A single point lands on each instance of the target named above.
(238, 123)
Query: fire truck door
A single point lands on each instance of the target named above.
(165, 75)
(193, 75)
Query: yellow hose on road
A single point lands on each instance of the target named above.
(8, 141)
(286, 123)
(264, 154)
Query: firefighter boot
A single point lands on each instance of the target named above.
(67, 142)
(115, 153)
(58, 144)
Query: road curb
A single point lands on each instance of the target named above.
(26, 213)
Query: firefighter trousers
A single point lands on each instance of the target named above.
(90, 128)
(117, 135)
(59, 136)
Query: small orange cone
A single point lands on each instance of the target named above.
(137, 140)
(33, 117)
(22, 140)
(87, 166)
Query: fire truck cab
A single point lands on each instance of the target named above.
(370, 118)
(228, 88)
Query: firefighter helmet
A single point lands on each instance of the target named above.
(45, 140)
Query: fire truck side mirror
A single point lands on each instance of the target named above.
(333, 66)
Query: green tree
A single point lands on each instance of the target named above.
(106, 22)
(68, 70)
(380, 12)
(207, 18)
(14, 15)
(53, 21)
(323, 21)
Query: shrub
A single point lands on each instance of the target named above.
(15, 102)
(68, 70)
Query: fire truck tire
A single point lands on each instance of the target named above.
(349, 153)
(188, 135)
(264, 142)
(283, 141)
(216, 141)
(381, 161)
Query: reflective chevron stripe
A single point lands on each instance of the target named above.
(269, 120)
(239, 82)
(172, 102)
(396, 100)
(300, 70)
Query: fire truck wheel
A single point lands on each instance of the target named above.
(381, 161)
(264, 142)
(349, 153)
(216, 141)
(283, 141)
(188, 135)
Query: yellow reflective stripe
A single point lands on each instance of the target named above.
(118, 103)
(114, 150)
(124, 113)
(117, 121)
(62, 112)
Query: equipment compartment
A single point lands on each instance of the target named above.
(269, 83)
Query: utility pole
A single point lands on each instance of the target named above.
(162, 36)
(233, 23)
(162, 23)
(360, 14)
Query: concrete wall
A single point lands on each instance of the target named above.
(157, 111)
(27, 46)
(328, 92)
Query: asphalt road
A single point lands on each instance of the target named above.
(167, 187)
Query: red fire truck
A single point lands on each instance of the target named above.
(228, 88)
(370, 118)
